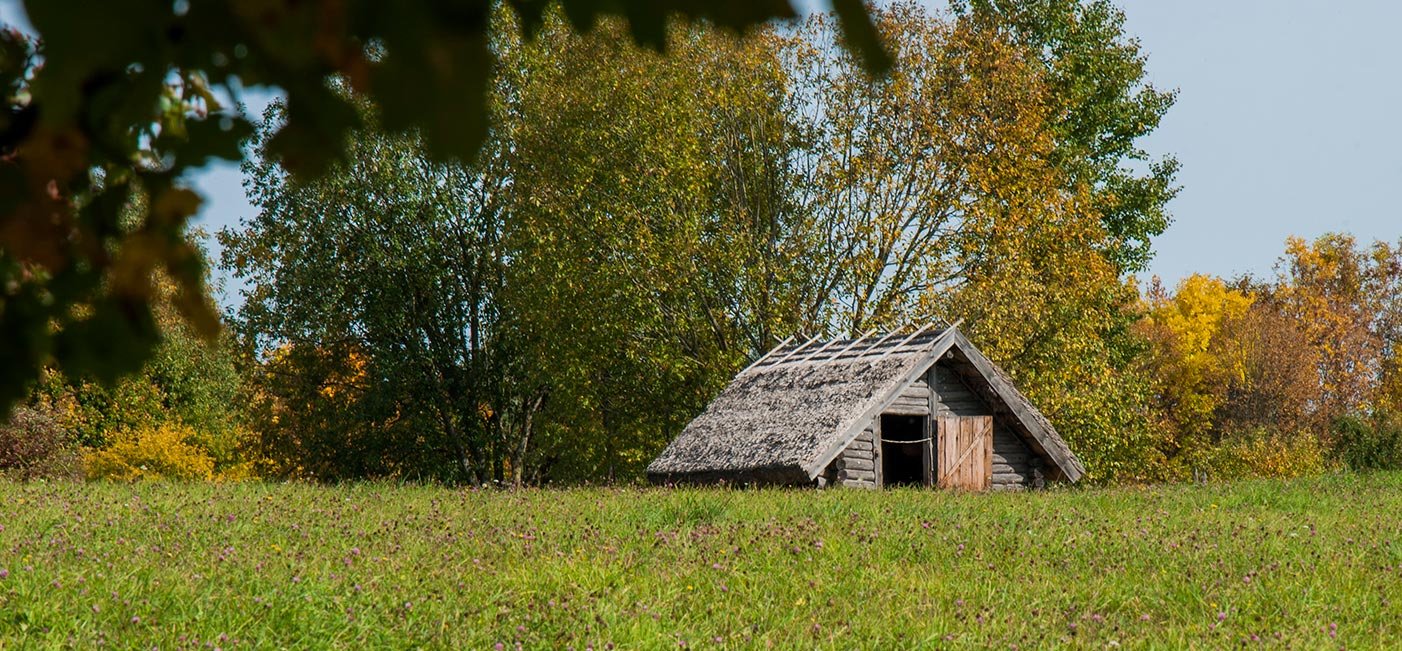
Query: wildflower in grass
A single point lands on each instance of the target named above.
(4, 573)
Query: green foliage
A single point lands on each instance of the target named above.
(1373, 443)
(558, 307)
(1301, 564)
(34, 444)
(647, 263)
(1261, 453)
(188, 381)
(376, 304)
(168, 451)
(128, 100)
(1104, 105)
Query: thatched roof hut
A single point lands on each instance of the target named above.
(923, 408)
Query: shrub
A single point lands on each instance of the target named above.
(1369, 443)
(33, 444)
(1259, 453)
(162, 452)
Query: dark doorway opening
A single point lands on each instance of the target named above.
(905, 450)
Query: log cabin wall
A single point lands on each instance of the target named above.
(940, 392)
(857, 466)
(914, 400)
(1015, 467)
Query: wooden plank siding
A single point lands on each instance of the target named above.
(913, 401)
(940, 392)
(1015, 467)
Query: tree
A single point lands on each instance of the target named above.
(1345, 301)
(128, 100)
(1103, 104)
(764, 187)
(1306, 355)
(1195, 360)
(388, 270)
(941, 193)
(648, 262)
(189, 384)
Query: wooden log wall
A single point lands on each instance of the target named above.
(857, 466)
(941, 392)
(1015, 467)
(914, 401)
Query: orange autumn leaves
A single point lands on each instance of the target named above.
(1289, 356)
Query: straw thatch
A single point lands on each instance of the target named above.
(774, 420)
(783, 420)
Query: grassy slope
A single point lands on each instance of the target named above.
(1293, 563)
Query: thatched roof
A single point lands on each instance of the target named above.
(786, 417)
(779, 416)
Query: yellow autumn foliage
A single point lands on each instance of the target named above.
(1267, 455)
(1192, 369)
(160, 452)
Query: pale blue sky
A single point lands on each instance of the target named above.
(1287, 122)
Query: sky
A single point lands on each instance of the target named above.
(1287, 123)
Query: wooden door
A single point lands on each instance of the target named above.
(965, 452)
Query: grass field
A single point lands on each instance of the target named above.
(1305, 564)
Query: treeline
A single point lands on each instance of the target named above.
(1282, 375)
(641, 225)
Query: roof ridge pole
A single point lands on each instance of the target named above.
(849, 346)
(767, 355)
(793, 352)
(904, 342)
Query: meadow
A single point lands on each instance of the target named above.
(1307, 563)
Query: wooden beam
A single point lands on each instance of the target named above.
(820, 349)
(767, 355)
(794, 351)
(848, 346)
(878, 343)
(905, 341)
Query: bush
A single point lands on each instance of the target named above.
(1369, 443)
(33, 444)
(1259, 453)
(163, 452)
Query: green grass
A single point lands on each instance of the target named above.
(1300, 564)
